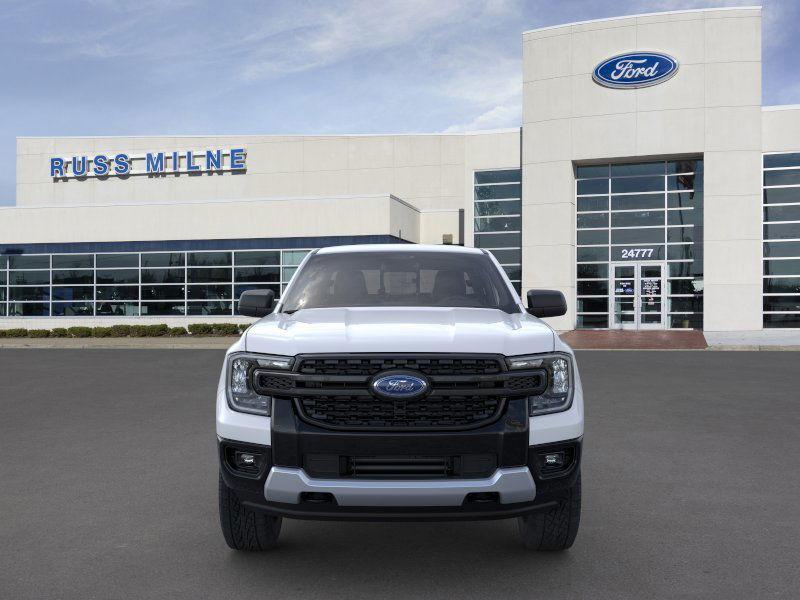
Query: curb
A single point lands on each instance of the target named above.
(167, 343)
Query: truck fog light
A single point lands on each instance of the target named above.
(247, 461)
(553, 460)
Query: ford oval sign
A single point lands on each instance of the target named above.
(635, 70)
(399, 386)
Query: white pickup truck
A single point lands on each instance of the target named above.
(400, 382)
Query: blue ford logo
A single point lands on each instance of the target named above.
(399, 386)
(635, 70)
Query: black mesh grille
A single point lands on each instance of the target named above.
(373, 365)
(273, 381)
(426, 413)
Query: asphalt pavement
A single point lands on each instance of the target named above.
(108, 479)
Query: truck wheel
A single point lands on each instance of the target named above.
(244, 528)
(553, 529)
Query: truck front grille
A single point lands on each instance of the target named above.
(466, 391)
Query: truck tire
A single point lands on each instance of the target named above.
(556, 528)
(243, 527)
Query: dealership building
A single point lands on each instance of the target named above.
(646, 181)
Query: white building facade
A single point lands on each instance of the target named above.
(647, 182)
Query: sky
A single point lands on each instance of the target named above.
(175, 67)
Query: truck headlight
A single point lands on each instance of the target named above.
(239, 388)
(560, 381)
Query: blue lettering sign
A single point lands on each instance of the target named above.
(213, 160)
(100, 164)
(154, 163)
(635, 70)
(190, 166)
(176, 162)
(56, 167)
(123, 165)
(79, 166)
(237, 159)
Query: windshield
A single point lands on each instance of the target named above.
(394, 278)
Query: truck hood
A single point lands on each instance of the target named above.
(392, 329)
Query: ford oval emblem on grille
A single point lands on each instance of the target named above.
(399, 386)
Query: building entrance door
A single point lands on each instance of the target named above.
(637, 295)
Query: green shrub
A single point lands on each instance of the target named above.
(2, 333)
(177, 331)
(101, 332)
(201, 329)
(59, 332)
(138, 331)
(38, 333)
(17, 332)
(120, 330)
(225, 328)
(157, 330)
(242, 327)
(80, 332)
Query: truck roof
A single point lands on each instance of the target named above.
(399, 248)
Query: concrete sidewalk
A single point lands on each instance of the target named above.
(154, 343)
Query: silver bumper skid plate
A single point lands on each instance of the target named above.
(513, 484)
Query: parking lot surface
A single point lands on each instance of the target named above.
(108, 490)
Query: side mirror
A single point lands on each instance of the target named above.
(256, 303)
(546, 303)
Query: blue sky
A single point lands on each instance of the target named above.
(151, 67)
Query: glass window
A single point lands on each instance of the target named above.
(637, 202)
(163, 309)
(294, 257)
(118, 276)
(592, 288)
(29, 277)
(114, 261)
(498, 224)
(637, 236)
(637, 218)
(256, 274)
(23, 261)
(66, 277)
(28, 309)
(593, 305)
(592, 271)
(209, 259)
(592, 186)
(73, 309)
(684, 304)
(782, 195)
(508, 257)
(238, 289)
(117, 309)
(288, 273)
(680, 269)
(684, 166)
(162, 292)
(683, 217)
(163, 276)
(497, 240)
(593, 254)
(680, 252)
(592, 236)
(684, 200)
(782, 213)
(781, 249)
(693, 321)
(596, 203)
(209, 308)
(782, 231)
(73, 261)
(788, 177)
(514, 273)
(790, 159)
(163, 259)
(589, 171)
(782, 320)
(257, 257)
(650, 168)
(83, 292)
(2, 278)
(680, 234)
(782, 285)
(3, 262)
(782, 303)
(592, 321)
(593, 220)
(684, 286)
(499, 207)
(209, 275)
(117, 292)
(496, 192)
(624, 185)
(29, 293)
(684, 182)
(499, 176)
(782, 267)
(208, 292)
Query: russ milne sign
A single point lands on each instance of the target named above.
(635, 70)
(151, 163)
